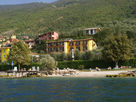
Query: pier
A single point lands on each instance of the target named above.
(23, 73)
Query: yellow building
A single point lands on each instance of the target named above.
(69, 45)
(13, 37)
(4, 53)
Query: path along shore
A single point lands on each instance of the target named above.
(95, 74)
(100, 73)
(89, 74)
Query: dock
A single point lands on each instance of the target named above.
(23, 73)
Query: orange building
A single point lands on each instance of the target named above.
(49, 36)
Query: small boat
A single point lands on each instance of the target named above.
(66, 74)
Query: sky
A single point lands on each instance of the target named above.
(12, 2)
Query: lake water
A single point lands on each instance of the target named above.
(68, 90)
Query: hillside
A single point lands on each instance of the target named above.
(67, 16)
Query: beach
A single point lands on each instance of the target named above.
(94, 74)
(100, 73)
(86, 74)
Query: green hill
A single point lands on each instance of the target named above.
(67, 16)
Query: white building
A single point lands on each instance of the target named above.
(92, 31)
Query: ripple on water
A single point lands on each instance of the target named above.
(68, 90)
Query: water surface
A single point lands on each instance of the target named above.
(68, 90)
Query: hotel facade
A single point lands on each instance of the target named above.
(4, 51)
(68, 45)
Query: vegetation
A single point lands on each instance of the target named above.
(93, 55)
(101, 36)
(117, 48)
(67, 17)
(40, 46)
(4, 67)
(88, 55)
(70, 18)
(130, 74)
(20, 54)
(47, 62)
(86, 64)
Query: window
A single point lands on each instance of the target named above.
(61, 43)
(84, 42)
(61, 48)
(49, 36)
(85, 48)
(78, 43)
(56, 44)
(49, 49)
(4, 56)
(49, 44)
(71, 43)
(94, 31)
(4, 51)
(56, 49)
(91, 31)
(78, 48)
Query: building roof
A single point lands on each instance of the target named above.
(92, 28)
(28, 40)
(5, 48)
(46, 34)
(70, 40)
(35, 54)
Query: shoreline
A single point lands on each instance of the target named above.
(94, 74)
(84, 74)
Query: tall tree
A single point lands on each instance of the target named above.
(132, 36)
(40, 46)
(47, 62)
(101, 36)
(117, 48)
(20, 54)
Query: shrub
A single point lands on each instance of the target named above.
(59, 56)
(48, 63)
(5, 67)
(31, 65)
(81, 67)
(93, 64)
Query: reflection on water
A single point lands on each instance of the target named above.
(68, 90)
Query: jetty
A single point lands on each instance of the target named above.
(23, 73)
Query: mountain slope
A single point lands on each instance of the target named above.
(66, 16)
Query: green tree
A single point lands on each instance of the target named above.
(69, 56)
(59, 56)
(131, 35)
(117, 48)
(77, 55)
(40, 46)
(20, 54)
(47, 62)
(95, 54)
(102, 35)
